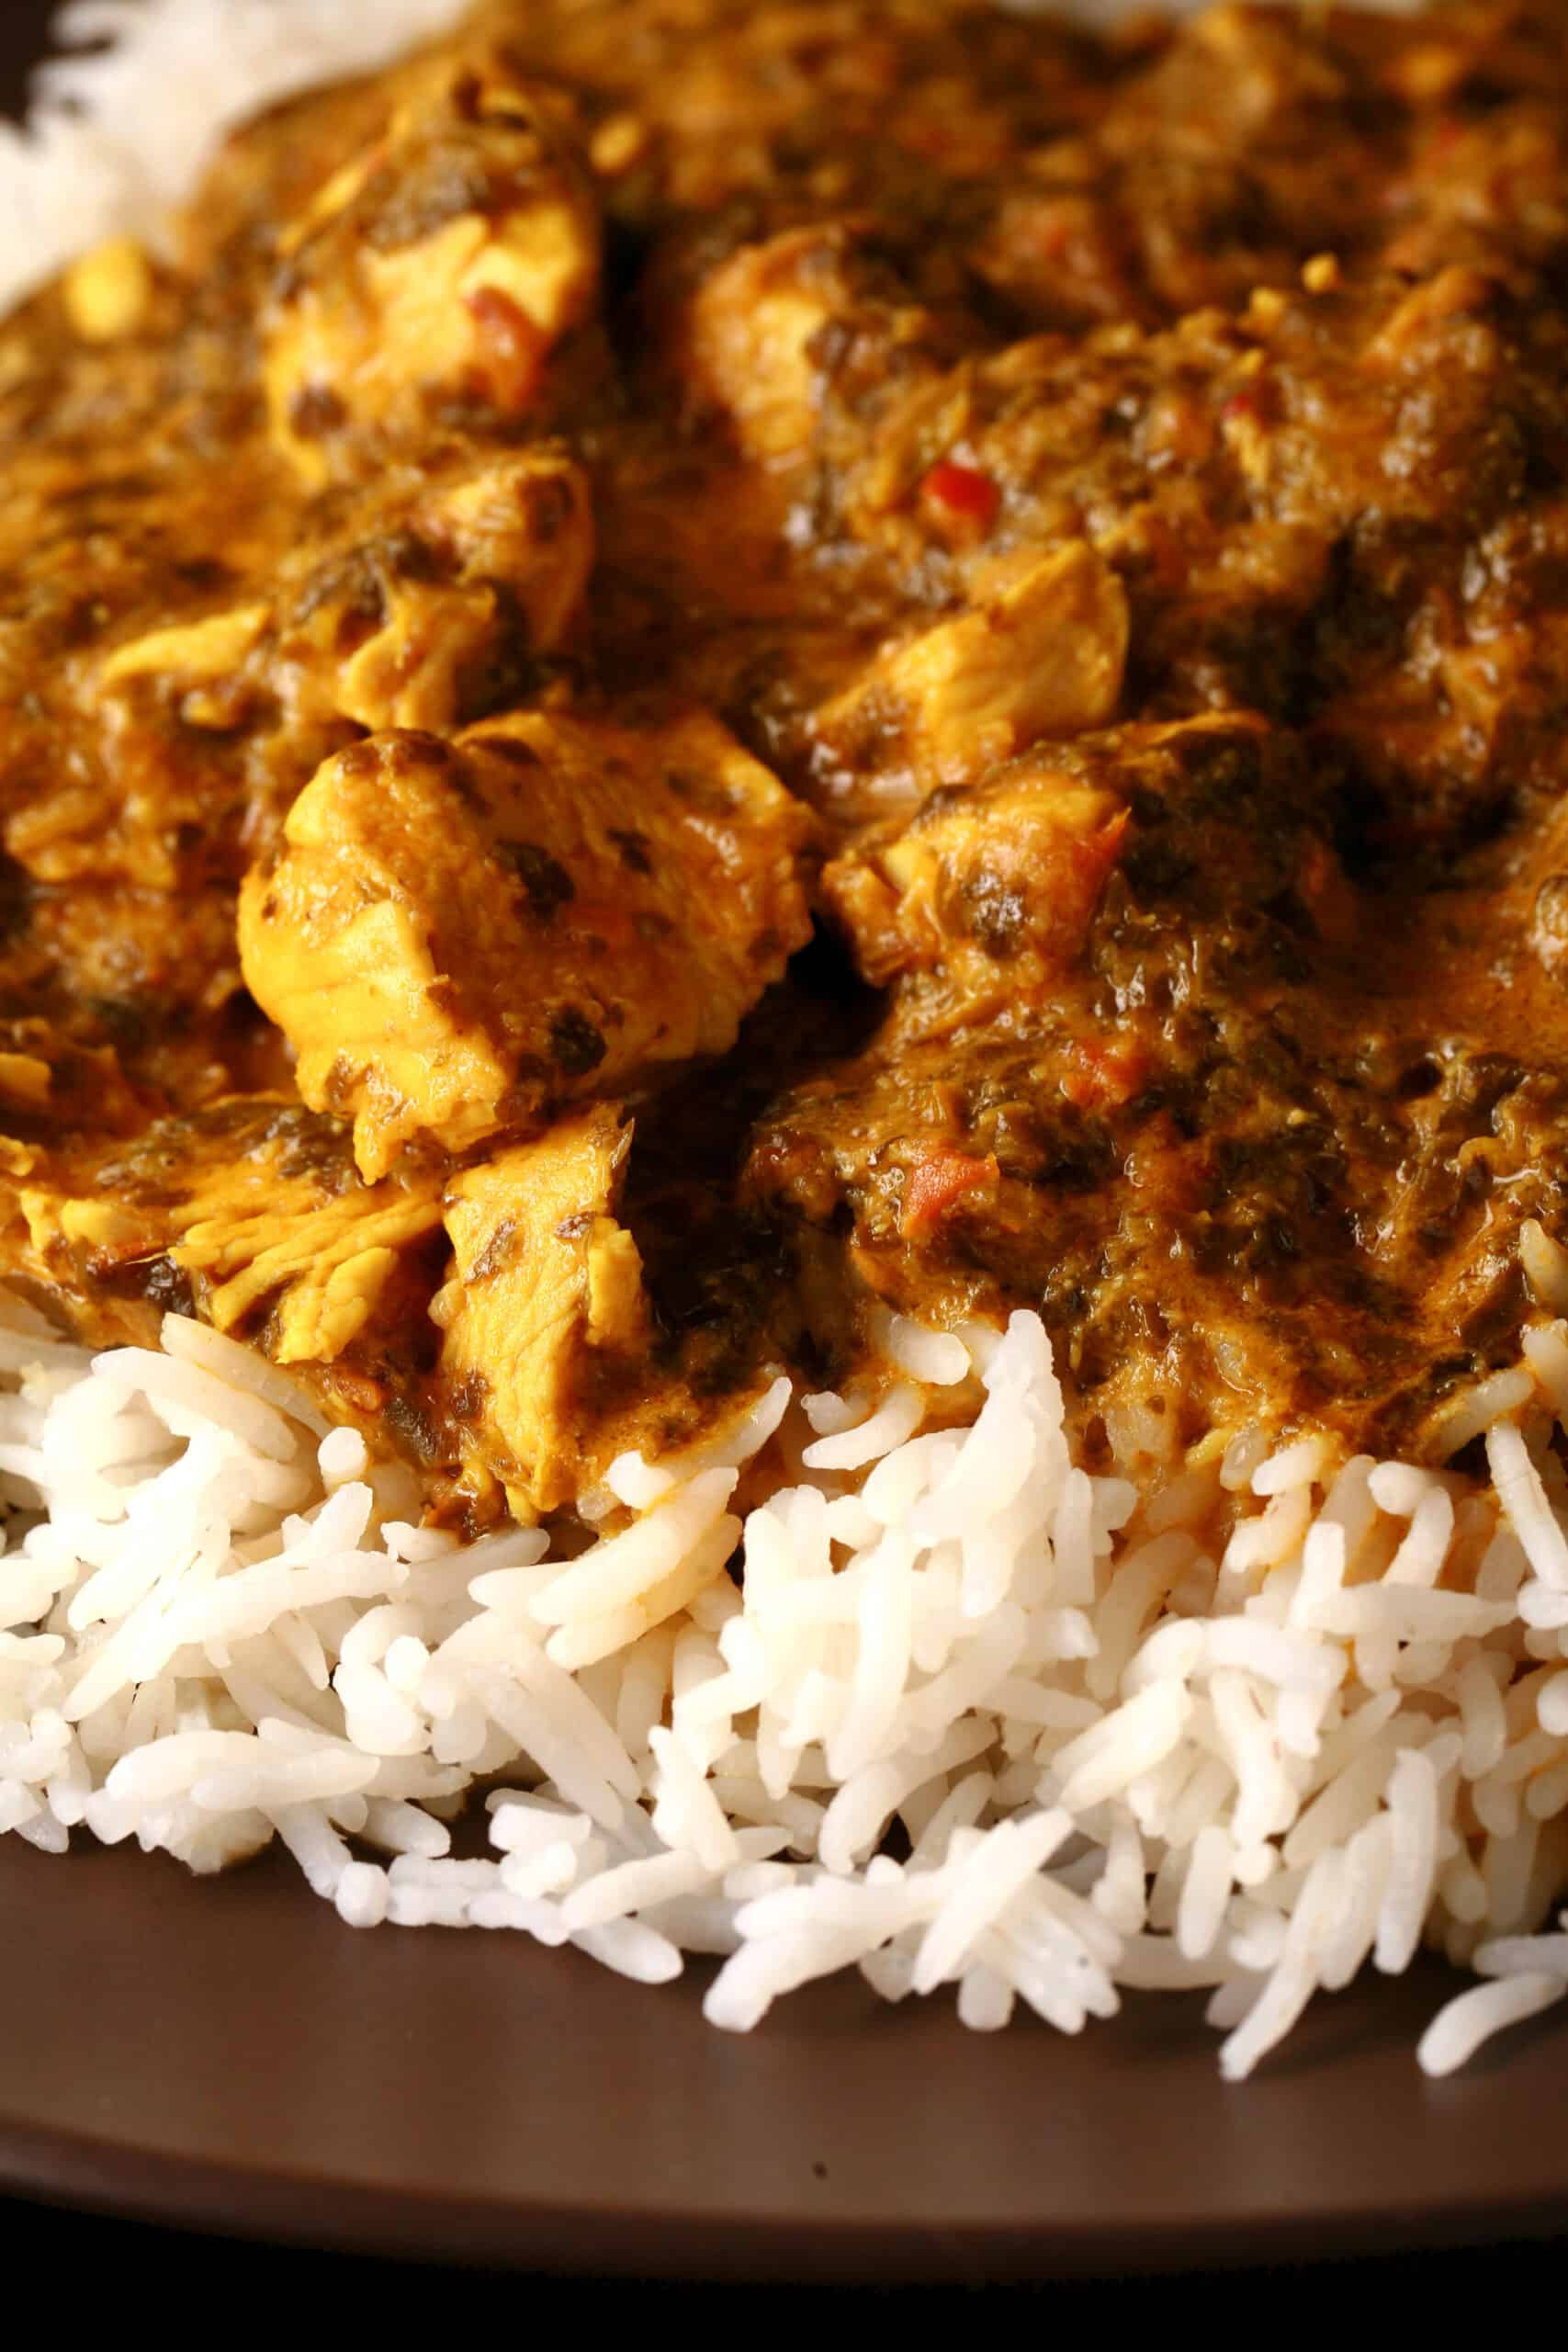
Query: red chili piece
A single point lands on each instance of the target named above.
(964, 493)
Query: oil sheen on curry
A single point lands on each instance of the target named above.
(699, 666)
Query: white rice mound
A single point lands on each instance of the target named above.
(1244, 1721)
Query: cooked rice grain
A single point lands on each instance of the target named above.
(1101, 1789)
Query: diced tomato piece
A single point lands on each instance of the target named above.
(963, 493)
(937, 1184)
(1106, 1076)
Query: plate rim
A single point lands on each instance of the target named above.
(47, 2165)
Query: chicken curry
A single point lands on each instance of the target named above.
(698, 667)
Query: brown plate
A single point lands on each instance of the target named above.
(228, 2055)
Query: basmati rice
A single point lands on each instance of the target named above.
(1240, 1807)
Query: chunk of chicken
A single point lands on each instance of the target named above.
(325, 1264)
(435, 271)
(394, 627)
(997, 885)
(460, 936)
(990, 898)
(544, 1298)
(250, 1213)
(1041, 652)
(1148, 867)
(765, 335)
(191, 654)
(418, 625)
(749, 339)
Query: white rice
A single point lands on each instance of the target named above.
(192, 1661)
(1162, 1735)
(1457, 2033)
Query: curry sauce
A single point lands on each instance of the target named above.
(697, 665)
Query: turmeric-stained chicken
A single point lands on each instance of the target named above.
(460, 936)
(543, 1307)
(692, 667)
